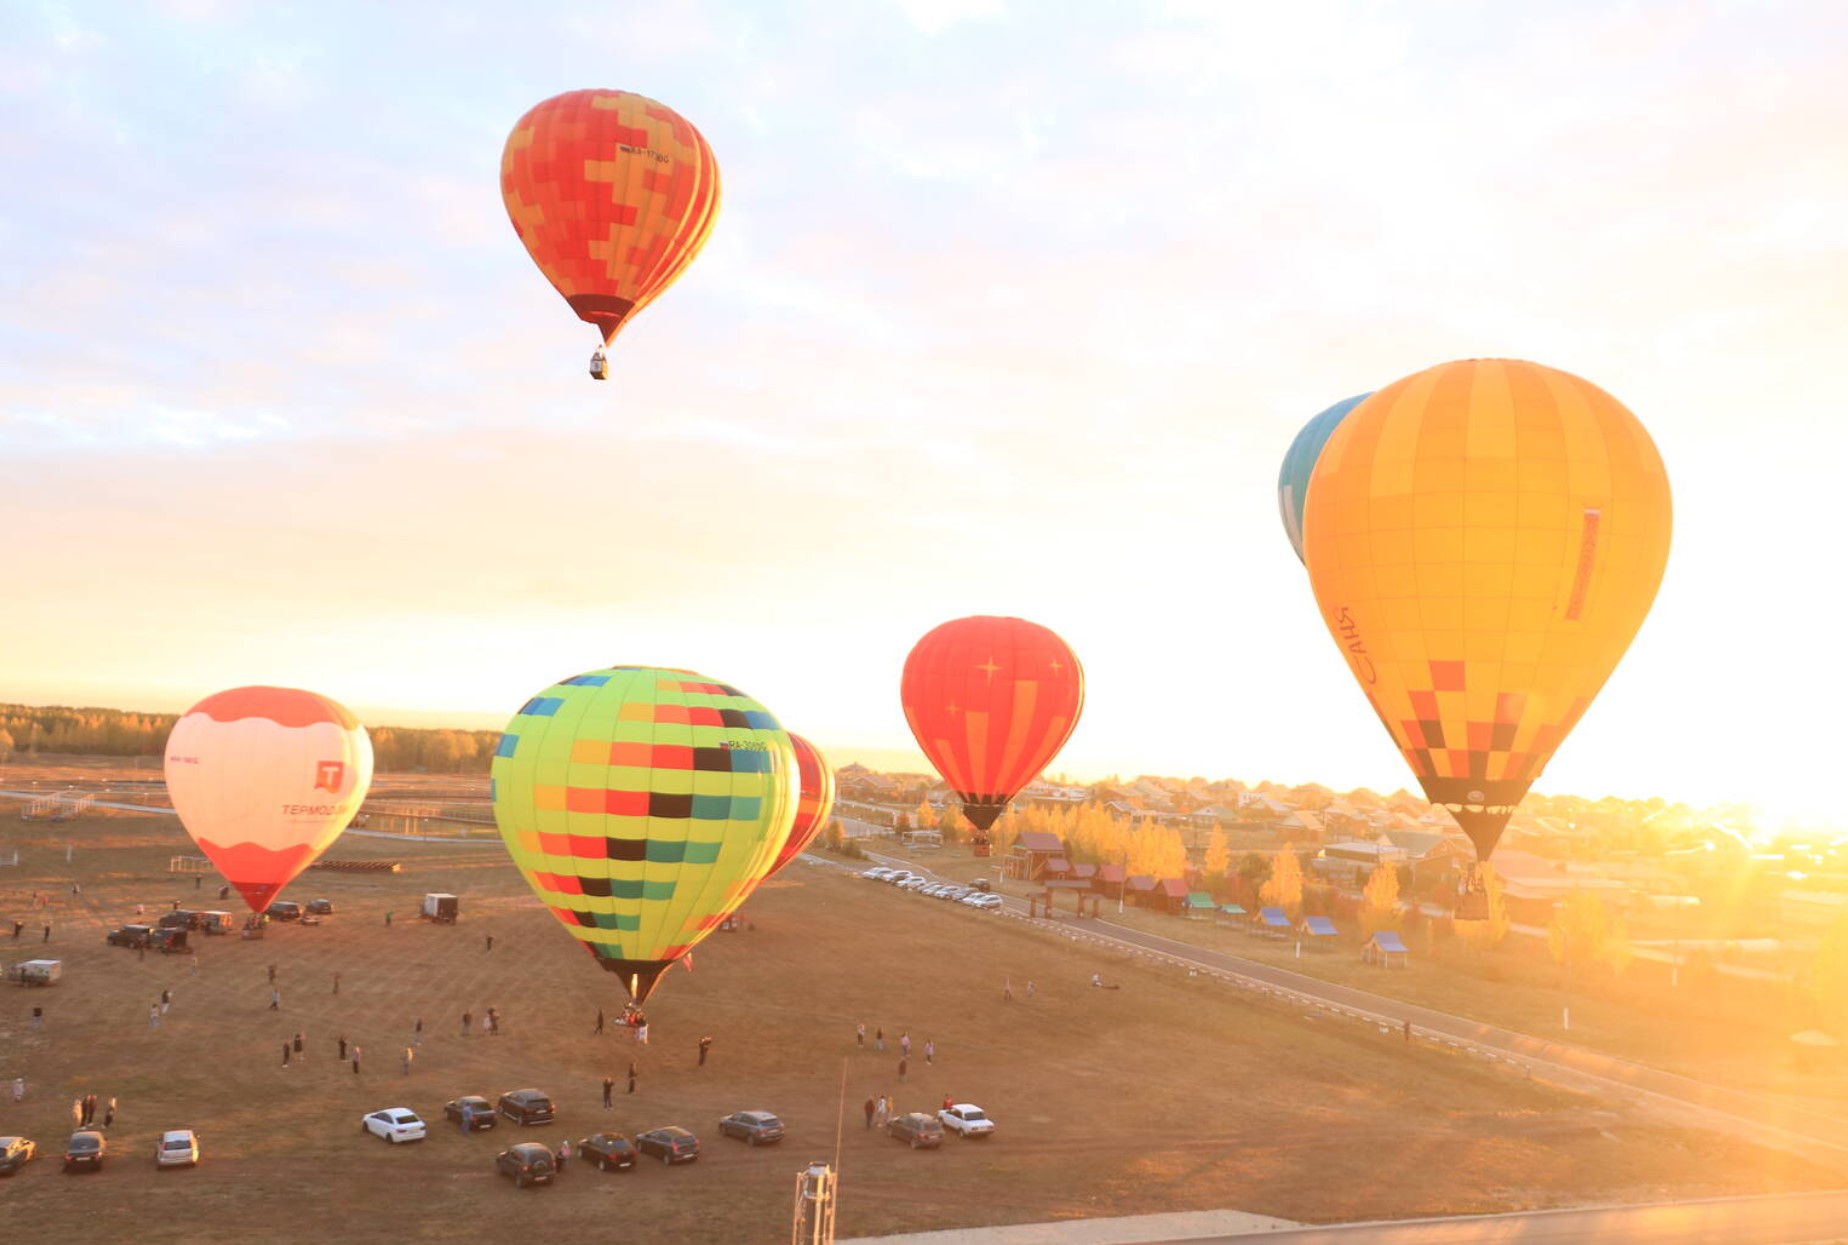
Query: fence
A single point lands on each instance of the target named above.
(188, 864)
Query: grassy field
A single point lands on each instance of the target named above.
(1172, 1093)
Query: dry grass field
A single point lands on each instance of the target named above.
(1168, 1094)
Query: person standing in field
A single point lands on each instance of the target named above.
(871, 1107)
(598, 1031)
(343, 1048)
(409, 1055)
(903, 1065)
(298, 1045)
(705, 1044)
(356, 1059)
(632, 1076)
(285, 1054)
(930, 1051)
(879, 1038)
(609, 1088)
(109, 1115)
(468, 1018)
(859, 1034)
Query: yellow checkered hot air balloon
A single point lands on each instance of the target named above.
(1484, 539)
(643, 805)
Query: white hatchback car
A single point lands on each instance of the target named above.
(178, 1147)
(394, 1124)
(983, 901)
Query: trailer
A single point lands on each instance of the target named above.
(36, 972)
(440, 908)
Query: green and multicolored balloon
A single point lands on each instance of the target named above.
(643, 805)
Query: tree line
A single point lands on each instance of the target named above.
(31, 731)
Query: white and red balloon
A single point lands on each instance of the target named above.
(264, 779)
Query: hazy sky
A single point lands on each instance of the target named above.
(1010, 308)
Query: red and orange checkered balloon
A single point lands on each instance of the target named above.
(613, 195)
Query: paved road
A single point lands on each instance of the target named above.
(1797, 1219)
(1801, 1219)
(1800, 1129)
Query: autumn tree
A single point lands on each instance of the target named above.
(1218, 854)
(1284, 889)
(6, 746)
(1580, 930)
(1380, 909)
(926, 816)
(1827, 982)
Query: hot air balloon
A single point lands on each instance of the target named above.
(1299, 462)
(815, 800)
(1484, 539)
(264, 778)
(613, 195)
(642, 805)
(991, 701)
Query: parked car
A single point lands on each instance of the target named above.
(15, 1153)
(283, 910)
(129, 936)
(526, 1106)
(754, 1128)
(923, 1132)
(168, 940)
(87, 1149)
(952, 892)
(671, 1144)
(178, 1147)
(986, 903)
(878, 873)
(321, 907)
(394, 1124)
(180, 918)
(898, 877)
(982, 884)
(480, 1112)
(528, 1163)
(968, 1119)
(609, 1151)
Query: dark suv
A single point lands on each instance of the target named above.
(752, 1127)
(528, 1163)
(924, 1132)
(608, 1150)
(526, 1106)
(168, 940)
(283, 910)
(129, 936)
(321, 907)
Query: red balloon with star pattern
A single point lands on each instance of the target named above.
(991, 701)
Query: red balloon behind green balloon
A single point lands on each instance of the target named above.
(814, 804)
